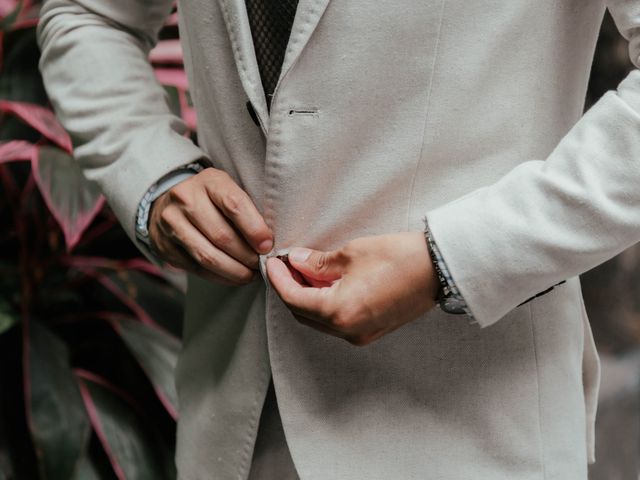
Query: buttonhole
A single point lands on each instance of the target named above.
(303, 111)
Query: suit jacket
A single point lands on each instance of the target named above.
(467, 112)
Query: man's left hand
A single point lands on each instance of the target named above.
(362, 291)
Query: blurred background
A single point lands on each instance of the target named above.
(90, 331)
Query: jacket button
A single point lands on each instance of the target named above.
(252, 113)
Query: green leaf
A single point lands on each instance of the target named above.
(21, 81)
(8, 317)
(173, 99)
(129, 443)
(86, 470)
(59, 425)
(71, 198)
(157, 353)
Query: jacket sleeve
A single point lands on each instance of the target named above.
(548, 220)
(96, 71)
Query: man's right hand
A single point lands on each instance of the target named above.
(208, 225)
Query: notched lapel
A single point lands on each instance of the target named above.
(239, 30)
(307, 17)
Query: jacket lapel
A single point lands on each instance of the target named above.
(307, 17)
(235, 17)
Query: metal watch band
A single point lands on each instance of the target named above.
(450, 300)
(166, 182)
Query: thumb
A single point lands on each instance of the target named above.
(326, 266)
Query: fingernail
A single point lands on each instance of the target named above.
(265, 246)
(299, 255)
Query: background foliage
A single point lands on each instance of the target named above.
(89, 331)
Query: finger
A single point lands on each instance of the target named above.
(179, 259)
(204, 253)
(310, 302)
(297, 276)
(208, 219)
(316, 265)
(301, 279)
(311, 282)
(236, 205)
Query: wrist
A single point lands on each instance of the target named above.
(164, 184)
(422, 279)
(155, 210)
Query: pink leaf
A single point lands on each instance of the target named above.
(139, 312)
(58, 425)
(156, 351)
(94, 418)
(173, 77)
(109, 285)
(16, 15)
(172, 20)
(103, 382)
(120, 429)
(7, 7)
(72, 199)
(189, 117)
(167, 51)
(40, 119)
(17, 150)
(26, 365)
(139, 264)
(25, 23)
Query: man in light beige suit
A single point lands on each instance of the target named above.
(468, 114)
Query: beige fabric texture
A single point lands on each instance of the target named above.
(271, 457)
(467, 112)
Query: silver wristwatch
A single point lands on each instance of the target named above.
(449, 298)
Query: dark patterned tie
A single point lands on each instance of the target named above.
(271, 22)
